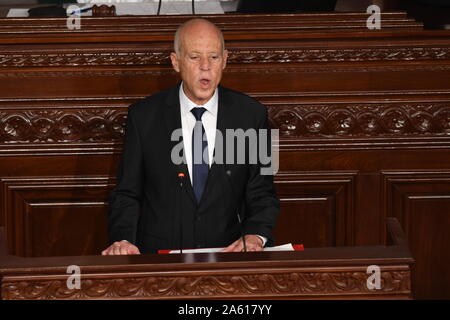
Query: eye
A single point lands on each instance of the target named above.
(194, 57)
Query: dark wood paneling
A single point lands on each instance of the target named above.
(316, 209)
(48, 235)
(421, 201)
(49, 216)
(430, 223)
(310, 221)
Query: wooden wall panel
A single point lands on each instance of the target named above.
(316, 209)
(51, 216)
(272, 78)
(47, 234)
(421, 200)
(310, 221)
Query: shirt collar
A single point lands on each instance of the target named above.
(187, 105)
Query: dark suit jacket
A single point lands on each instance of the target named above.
(147, 203)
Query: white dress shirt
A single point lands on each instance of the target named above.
(209, 121)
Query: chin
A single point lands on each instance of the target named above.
(204, 94)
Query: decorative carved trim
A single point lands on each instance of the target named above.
(50, 126)
(299, 284)
(65, 73)
(336, 68)
(363, 120)
(236, 56)
(338, 55)
(64, 59)
(321, 121)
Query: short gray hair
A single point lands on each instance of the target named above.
(177, 38)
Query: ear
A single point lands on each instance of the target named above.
(224, 59)
(174, 59)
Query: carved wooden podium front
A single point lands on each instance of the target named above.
(320, 273)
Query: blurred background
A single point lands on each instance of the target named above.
(435, 14)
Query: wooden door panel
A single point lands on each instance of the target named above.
(316, 208)
(52, 216)
(421, 202)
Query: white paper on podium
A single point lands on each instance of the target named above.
(284, 247)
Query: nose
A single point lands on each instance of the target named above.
(205, 64)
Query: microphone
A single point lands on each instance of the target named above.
(228, 172)
(181, 179)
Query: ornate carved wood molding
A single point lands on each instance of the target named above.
(352, 120)
(236, 56)
(62, 125)
(294, 284)
(362, 119)
(337, 55)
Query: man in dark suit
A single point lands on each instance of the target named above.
(218, 200)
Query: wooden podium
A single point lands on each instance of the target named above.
(316, 273)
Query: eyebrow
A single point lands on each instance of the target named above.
(196, 51)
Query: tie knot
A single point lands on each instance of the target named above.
(198, 112)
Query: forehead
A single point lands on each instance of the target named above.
(207, 39)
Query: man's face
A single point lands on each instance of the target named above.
(200, 62)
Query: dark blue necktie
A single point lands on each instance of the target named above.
(200, 161)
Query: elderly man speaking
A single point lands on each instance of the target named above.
(216, 204)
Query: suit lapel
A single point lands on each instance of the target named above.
(172, 118)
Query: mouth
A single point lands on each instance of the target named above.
(205, 82)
